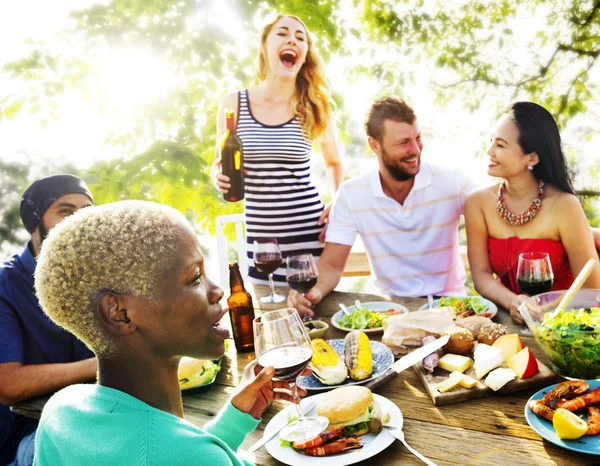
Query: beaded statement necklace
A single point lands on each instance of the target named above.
(523, 217)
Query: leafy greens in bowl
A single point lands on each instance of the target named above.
(569, 337)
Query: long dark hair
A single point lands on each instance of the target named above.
(538, 133)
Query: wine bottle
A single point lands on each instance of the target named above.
(232, 159)
(241, 311)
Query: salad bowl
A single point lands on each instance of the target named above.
(569, 337)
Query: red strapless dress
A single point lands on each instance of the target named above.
(504, 259)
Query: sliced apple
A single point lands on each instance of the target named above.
(509, 344)
(523, 363)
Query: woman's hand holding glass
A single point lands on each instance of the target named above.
(258, 388)
(281, 341)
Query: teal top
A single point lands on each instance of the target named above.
(95, 425)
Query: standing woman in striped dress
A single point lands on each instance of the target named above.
(277, 122)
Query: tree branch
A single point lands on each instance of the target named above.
(564, 100)
(570, 48)
(590, 15)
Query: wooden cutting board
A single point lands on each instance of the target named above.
(543, 378)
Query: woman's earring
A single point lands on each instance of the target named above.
(530, 167)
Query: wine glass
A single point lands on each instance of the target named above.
(281, 341)
(267, 259)
(301, 273)
(534, 276)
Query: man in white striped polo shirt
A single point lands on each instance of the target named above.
(407, 214)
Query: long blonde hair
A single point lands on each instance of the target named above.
(311, 101)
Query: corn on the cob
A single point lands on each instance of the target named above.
(357, 352)
(327, 366)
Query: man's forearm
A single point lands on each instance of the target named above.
(21, 382)
(329, 277)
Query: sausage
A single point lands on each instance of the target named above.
(430, 362)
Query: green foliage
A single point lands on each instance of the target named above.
(167, 141)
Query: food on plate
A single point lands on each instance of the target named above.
(454, 362)
(509, 344)
(351, 412)
(567, 390)
(357, 355)
(461, 340)
(404, 332)
(430, 362)
(328, 367)
(474, 323)
(487, 358)
(571, 338)
(464, 307)
(491, 333)
(499, 377)
(568, 426)
(581, 401)
(523, 363)
(316, 328)
(196, 372)
(362, 318)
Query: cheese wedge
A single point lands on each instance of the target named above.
(448, 384)
(487, 358)
(465, 380)
(498, 378)
(454, 362)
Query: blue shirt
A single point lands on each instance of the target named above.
(27, 336)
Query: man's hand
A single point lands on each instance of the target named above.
(514, 308)
(258, 389)
(304, 304)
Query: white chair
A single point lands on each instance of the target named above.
(240, 241)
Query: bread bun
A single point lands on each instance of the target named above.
(489, 334)
(461, 340)
(344, 404)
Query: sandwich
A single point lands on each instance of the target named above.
(196, 372)
(351, 412)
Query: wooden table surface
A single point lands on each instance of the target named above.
(486, 431)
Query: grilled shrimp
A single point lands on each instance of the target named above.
(582, 401)
(593, 421)
(566, 390)
(541, 409)
(323, 437)
(334, 447)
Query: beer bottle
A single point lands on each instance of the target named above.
(241, 311)
(232, 160)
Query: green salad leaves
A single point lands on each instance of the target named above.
(460, 305)
(571, 339)
(362, 318)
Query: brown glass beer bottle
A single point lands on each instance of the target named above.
(241, 311)
(232, 160)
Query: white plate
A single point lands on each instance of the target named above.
(379, 306)
(372, 443)
(491, 307)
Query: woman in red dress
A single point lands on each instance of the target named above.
(533, 209)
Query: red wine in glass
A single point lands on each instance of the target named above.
(534, 273)
(301, 282)
(288, 361)
(266, 262)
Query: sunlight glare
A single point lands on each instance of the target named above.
(130, 77)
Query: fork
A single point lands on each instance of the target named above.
(400, 436)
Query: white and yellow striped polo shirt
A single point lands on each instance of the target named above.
(413, 248)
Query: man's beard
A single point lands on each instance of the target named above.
(399, 174)
(43, 232)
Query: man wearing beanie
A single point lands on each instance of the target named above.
(37, 357)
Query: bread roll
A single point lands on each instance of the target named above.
(344, 404)
(461, 340)
(489, 334)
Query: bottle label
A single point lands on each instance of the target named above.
(237, 157)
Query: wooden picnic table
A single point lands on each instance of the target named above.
(485, 431)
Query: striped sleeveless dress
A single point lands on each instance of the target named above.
(281, 200)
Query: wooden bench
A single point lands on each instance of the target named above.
(358, 263)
